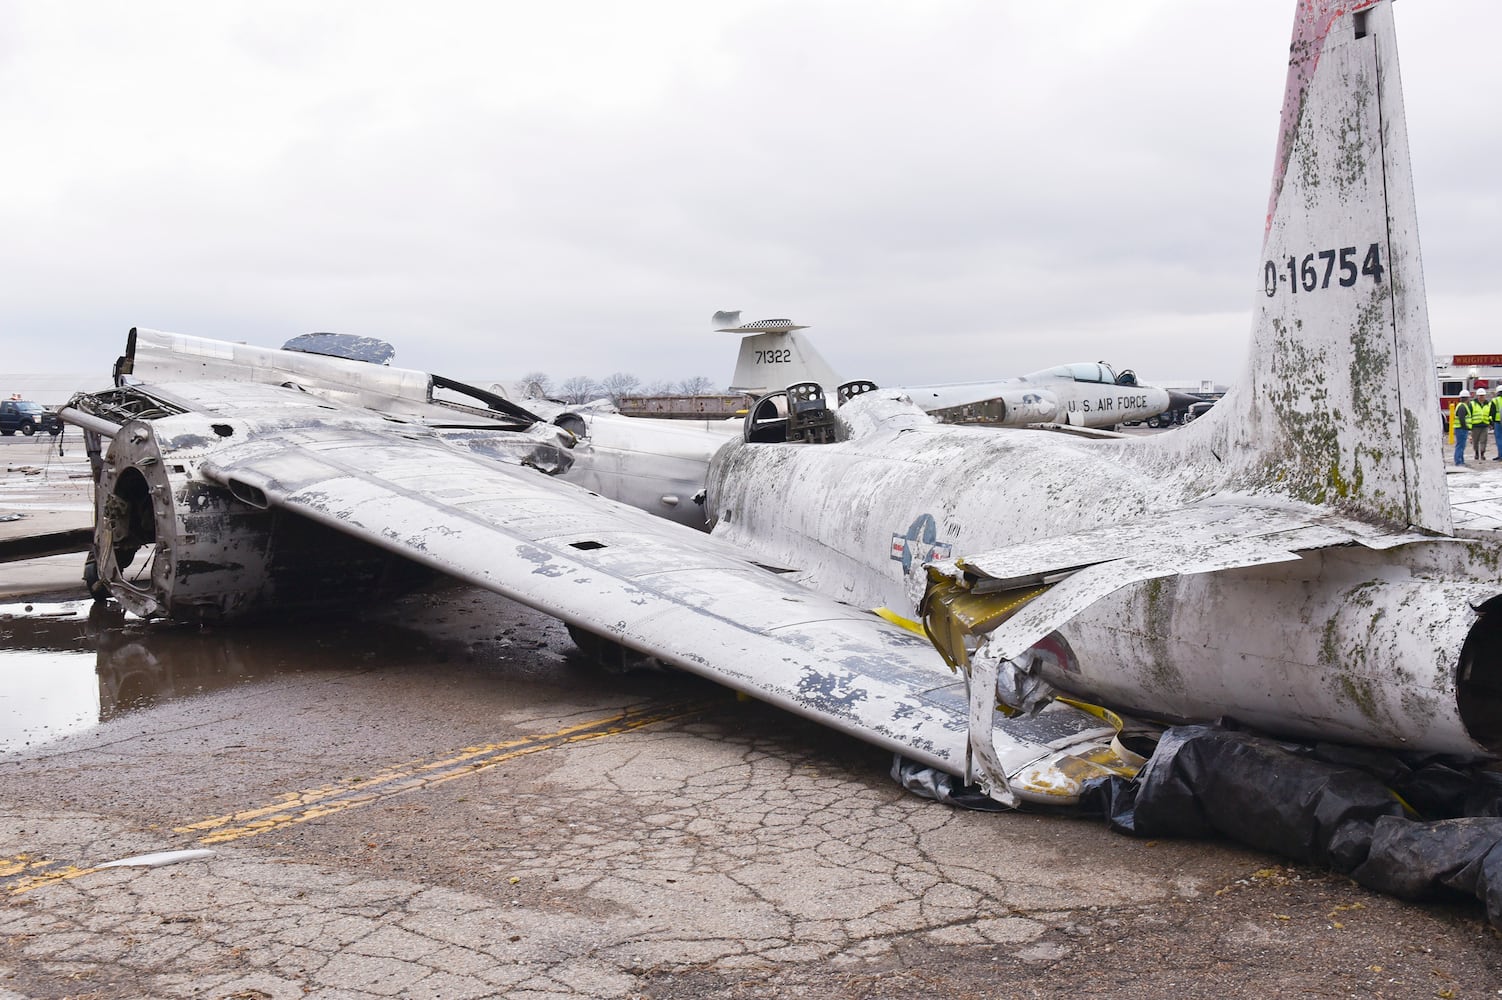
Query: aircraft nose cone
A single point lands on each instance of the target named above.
(1182, 400)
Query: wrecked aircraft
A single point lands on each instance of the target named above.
(271, 481)
(773, 357)
(1290, 560)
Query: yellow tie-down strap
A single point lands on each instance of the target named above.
(953, 617)
(1117, 759)
(952, 612)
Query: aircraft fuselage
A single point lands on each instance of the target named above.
(1342, 643)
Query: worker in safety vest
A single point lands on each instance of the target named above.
(1494, 412)
(1481, 424)
(1462, 425)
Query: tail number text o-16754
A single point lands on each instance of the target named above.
(1307, 271)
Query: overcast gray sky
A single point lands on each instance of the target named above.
(941, 189)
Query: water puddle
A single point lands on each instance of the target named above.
(47, 682)
(71, 665)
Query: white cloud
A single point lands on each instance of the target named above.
(508, 187)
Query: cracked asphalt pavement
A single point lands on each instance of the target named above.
(443, 799)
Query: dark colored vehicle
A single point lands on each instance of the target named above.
(1197, 408)
(28, 418)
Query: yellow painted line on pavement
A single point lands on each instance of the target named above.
(315, 803)
(24, 872)
(35, 871)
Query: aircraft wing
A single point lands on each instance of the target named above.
(655, 587)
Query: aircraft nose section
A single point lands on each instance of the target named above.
(1182, 400)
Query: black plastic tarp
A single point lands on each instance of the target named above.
(1415, 828)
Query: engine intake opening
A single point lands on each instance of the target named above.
(248, 494)
(1479, 680)
(131, 520)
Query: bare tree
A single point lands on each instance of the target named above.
(536, 384)
(699, 385)
(618, 385)
(579, 389)
(658, 387)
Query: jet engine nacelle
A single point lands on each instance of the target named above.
(1393, 648)
(168, 544)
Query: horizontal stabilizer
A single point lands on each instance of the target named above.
(1083, 568)
(730, 322)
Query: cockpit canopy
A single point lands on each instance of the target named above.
(1092, 371)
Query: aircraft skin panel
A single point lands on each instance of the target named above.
(653, 465)
(1213, 534)
(1343, 644)
(1427, 495)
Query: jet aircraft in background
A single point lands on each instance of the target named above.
(1292, 559)
(773, 356)
(662, 465)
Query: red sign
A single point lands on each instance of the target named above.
(1462, 360)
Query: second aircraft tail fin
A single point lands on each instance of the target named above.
(773, 356)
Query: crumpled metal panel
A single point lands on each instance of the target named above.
(654, 465)
(370, 350)
(1217, 533)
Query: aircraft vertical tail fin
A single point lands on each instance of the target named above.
(1339, 405)
(773, 356)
